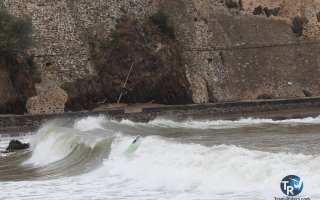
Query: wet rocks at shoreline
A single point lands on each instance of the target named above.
(16, 145)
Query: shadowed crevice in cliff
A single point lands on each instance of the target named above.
(83, 93)
(17, 79)
(266, 11)
(158, 72)
(298, 24)
(158, 69)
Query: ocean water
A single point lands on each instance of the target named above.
(245, 159)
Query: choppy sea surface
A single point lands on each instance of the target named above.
(245, 159)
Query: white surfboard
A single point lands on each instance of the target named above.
(133, 147)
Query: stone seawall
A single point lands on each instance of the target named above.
(14, 123)
(274, 109)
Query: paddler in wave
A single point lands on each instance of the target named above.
(133, 147)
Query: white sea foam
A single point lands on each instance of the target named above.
(128, 122)
(54, 143)
(89, 123)
(50, 145)
(219, 124)
(164, 168)
(165, 165)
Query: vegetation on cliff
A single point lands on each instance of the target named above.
(17, 79)
(15, 33)
(17, 70)
(142, 60)
(83, 93)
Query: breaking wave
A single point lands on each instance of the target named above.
(91, 149)
(220, 124)
(162, 164)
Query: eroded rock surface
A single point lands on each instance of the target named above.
(155, 58)
(230, 49)
(16, 85)
(50, 99)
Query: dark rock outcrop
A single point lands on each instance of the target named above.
(231, 3)
(157, 66)
(84, 93)
(17, 78)
(298, 26)
(158, 72)
(15, 145)
(266, 11)
(307, 93)
(258, 10)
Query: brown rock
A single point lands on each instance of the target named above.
(50, 99)
(158, 71)
(16, 85)
(157, 74)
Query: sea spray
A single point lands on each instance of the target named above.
(89, 123)
(161, 164)
(193, 159)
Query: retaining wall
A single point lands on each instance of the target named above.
(297, 108)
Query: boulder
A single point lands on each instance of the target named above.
(15, 145)
(50, 99)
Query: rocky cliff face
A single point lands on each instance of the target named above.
(16, 85)
(232, 49)
(236, 52)
(62, 28)
(306, 10)
(140, 62)
(158, 68)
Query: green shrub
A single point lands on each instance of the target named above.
(161, 20)
(15, 33)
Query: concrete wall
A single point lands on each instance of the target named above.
(25, 123)
(274, 109)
